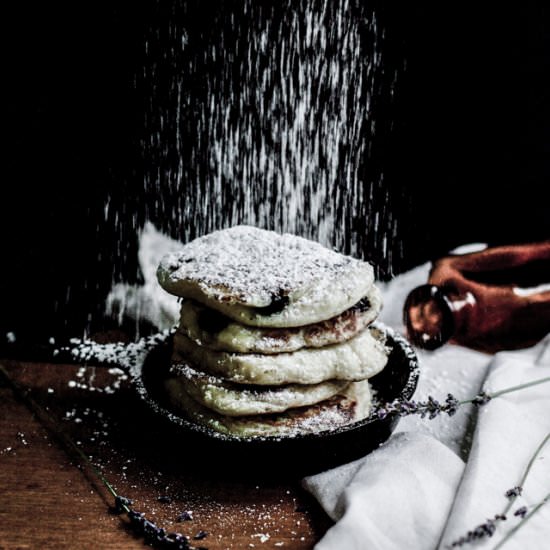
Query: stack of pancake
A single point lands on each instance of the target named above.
(274, 336)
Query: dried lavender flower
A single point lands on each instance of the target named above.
(431, 407)
(122, 504)
(514, 492)
(452, 404)
(481, 399)
(483, 530)
(521, 512)
(156, 536)
(185, 516)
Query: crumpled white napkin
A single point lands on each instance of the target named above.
(435, 480)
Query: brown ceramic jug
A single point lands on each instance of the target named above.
(495, 299)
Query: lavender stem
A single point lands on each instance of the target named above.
(526, 472)
(510, 389)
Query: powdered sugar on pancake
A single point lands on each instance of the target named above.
(297, 280)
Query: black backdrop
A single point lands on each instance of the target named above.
(469, 145)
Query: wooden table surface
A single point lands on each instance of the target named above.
(49, 500)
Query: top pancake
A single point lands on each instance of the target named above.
(265, 279)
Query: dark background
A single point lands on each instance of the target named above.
(468, 150)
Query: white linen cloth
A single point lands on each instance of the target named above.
(433, 480)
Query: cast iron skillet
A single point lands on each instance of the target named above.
(306, 453)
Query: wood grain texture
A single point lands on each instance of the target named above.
(50, 501)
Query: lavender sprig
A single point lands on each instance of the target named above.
(433, 408)
(488, 528)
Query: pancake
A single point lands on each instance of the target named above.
(265, 279)
(213, 330)
(348, 406)
(360, 357)
(234, 400)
